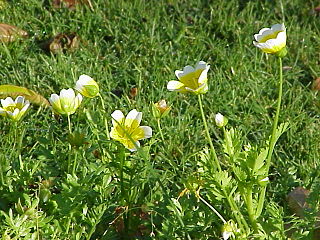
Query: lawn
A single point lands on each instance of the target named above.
(70, 180)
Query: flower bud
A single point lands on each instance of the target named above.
(229, 229)
(263, 181)
(160, 109)
(221, 120)
(87, 86)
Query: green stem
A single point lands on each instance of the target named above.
(75, 163)
(213, 152)
(122, 190)
(213, 209)
(160, 130)
(69, 124)
(1, 170)
(251, 214)
(235, 211)
(70, 147)
(272, 140)
(105, 119)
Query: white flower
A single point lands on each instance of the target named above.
(67, 103)
(127, 130)
(271, 40)
(87, 86)
(14, 109)
(191, 79)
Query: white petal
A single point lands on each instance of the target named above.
(201, 65)
(203, 76)
(186, 70)
(263, 32)
(282, 37)
(117, 116)
(15, 112)
(267, 31)
(174, 85)
(147, 131)
(78, 100)
(7, 102)
(278, 27)
(67, 93)
(84, 79)
(135, 115)
(226, 235)
(178, 73)
(20, 100)
(25, 107)
(54, 98)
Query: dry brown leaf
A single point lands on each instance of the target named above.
(133, 92)
(316, 84)
(9, 33)
(61, 42)
(297, 200)
(71, 4)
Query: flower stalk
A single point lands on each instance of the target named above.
(272, 140)
(105, 119)
(213, 151)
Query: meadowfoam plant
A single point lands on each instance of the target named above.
(239, 178)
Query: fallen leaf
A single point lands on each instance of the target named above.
(133, 92)
(316, 84)
(297, 200)
(15, 91)
(9, 33)
(71, 4)
(61, 42)
(286, 68)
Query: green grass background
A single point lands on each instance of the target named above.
(127, 44)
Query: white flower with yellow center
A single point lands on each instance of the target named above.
(67, 103)
(271, 40)
(191, 79)
(14, 109)
(87, 86)
(127, 130)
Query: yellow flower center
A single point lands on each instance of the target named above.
(269, 36)
(191, 79)
(130, 129)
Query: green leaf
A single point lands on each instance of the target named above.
(281, 129)
(260, 160)
(15, 91)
